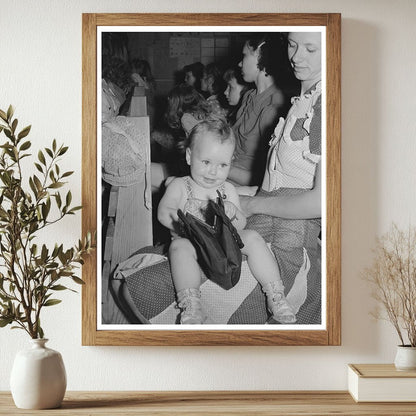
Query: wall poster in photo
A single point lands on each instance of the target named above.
(178, 108)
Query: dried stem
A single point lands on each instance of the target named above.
(393, 276)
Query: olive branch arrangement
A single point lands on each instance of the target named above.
(31, 274)
(393, 277)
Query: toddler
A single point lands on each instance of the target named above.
(209, 154)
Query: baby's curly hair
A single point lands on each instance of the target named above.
(215, 125)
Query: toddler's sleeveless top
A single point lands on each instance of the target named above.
(198, 207)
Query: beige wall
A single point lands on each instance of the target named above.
(40, 73)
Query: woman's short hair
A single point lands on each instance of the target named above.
(197, 69)
(213, 70)
(270, 49)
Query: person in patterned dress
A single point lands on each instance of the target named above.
(287, 209)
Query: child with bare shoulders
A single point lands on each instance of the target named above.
(209, 154)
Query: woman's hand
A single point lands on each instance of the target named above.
(235, 214)
(247, 203)
(230, 210)
(247, 190)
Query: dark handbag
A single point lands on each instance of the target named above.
(218, 247)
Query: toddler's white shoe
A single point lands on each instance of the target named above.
(189, 301)
(277, 303)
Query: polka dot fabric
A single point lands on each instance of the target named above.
(288, 240)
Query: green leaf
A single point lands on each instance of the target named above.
(33, 227)
(25, 145)
(41, 157)
(5, 321)
(3, 115)
(10, 112)
(40, 331)
(44, 253)
(56, 185)
(45, 211)
(59, 287)
(63, 150)
(62, 257)
(68, 199)
(67, 174)
(58, 199)
(49, 152)
(77, 208)
(8, 133)
(33, 187)
(51, 302)
(39, 167)
(14, 125)
(78, 280)
(24, 132)
(60, 249)
(37, 182)
(5, 179)
(5, 145)
(54, 145)
(55, 251)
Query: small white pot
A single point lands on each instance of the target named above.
(405, 358)
(38, 377)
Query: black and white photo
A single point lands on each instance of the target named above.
(212, 155)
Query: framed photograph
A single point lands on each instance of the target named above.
(178, 108)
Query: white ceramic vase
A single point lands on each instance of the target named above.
(38, 377)
(405, 358)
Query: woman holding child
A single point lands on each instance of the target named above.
(287, 210)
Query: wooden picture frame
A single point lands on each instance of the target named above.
(330, 334)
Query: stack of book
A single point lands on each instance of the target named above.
(381, 383)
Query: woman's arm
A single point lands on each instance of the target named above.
(239, 176)
(235, 212)
(306, 205)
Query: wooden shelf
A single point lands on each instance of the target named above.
(180, 403)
